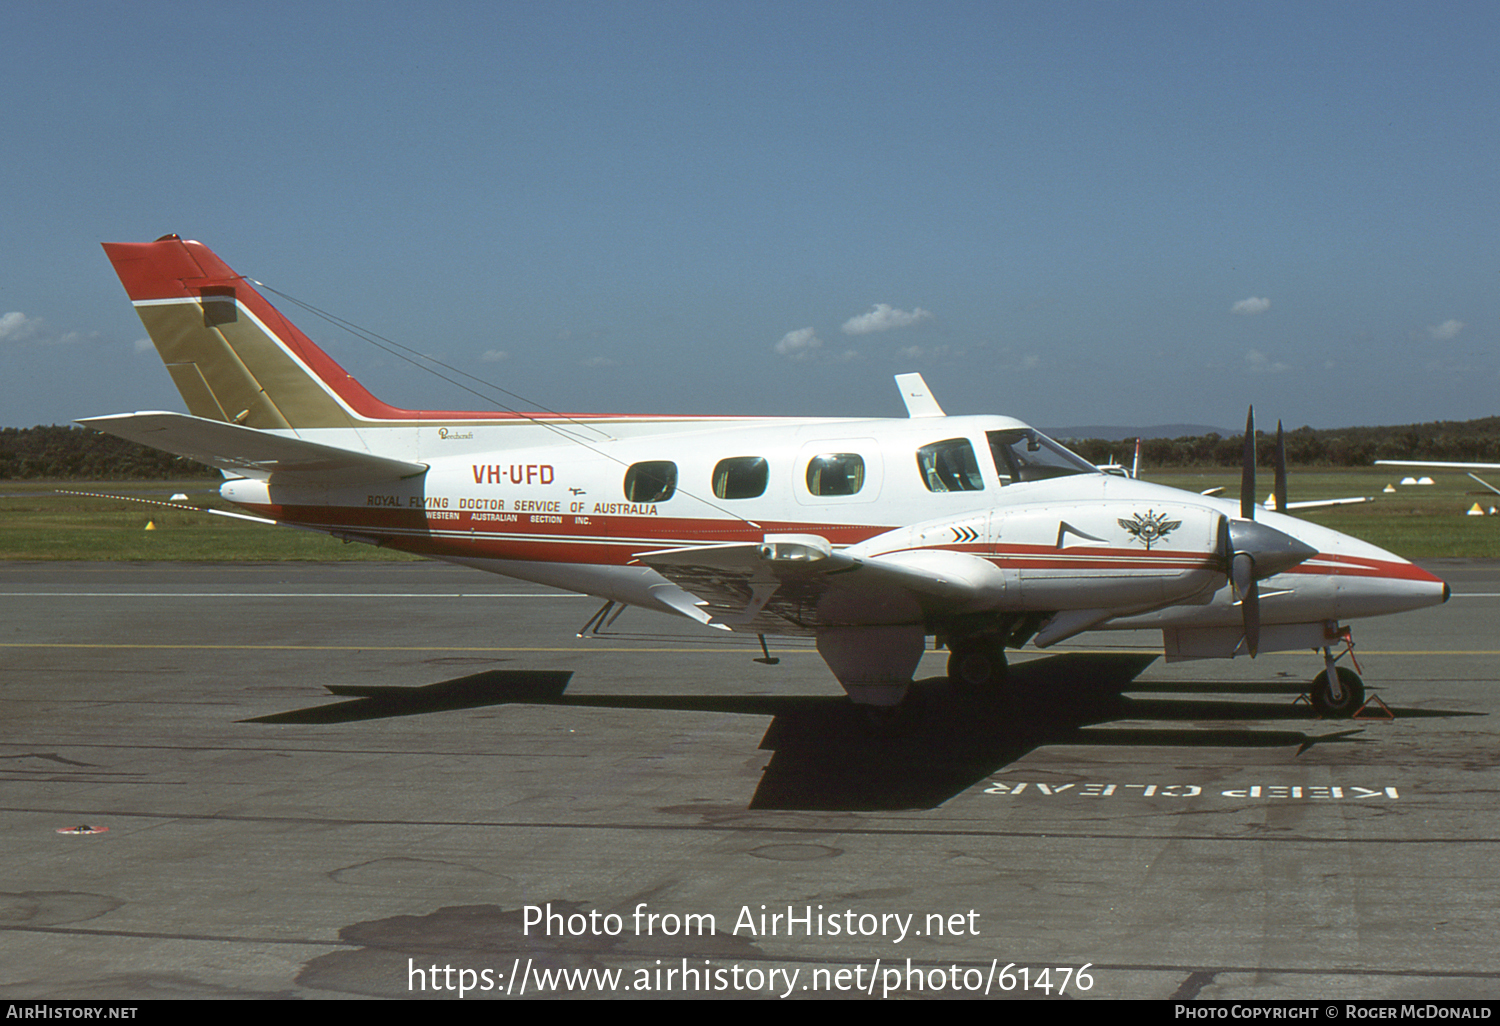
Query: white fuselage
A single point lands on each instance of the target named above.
(554, 502)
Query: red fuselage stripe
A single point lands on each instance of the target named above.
(612, 540)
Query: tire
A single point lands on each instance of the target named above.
(1354, 694)
(977, 665)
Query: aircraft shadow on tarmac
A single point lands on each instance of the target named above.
(827, 757)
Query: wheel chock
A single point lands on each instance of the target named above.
(1384, 712)
(1380, 712)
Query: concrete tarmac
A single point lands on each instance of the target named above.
(399, 780)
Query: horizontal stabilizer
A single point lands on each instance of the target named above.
(250, 451)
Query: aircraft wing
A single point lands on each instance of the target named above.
(242, 450)
(798, 583)
(1468, 468)
(1352, 500)
(1437, 465)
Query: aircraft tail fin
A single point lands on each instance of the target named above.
(232, 355)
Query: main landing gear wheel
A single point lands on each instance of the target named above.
(1347, 704)
(976, 664)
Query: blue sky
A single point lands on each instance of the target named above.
(1074, 213)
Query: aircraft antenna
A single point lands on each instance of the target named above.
(415, 358)
(400, 351)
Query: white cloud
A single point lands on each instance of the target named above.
(493, 356)
(1250, 307)
(1259, 363)
(1031, 362)
(1445, 331)
(799, 344)
(16, 325)
(883, 317)
(143, 345)
(925, 352)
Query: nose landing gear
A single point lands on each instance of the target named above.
(1337, 692)
(1339, 695)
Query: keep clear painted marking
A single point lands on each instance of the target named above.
(1289, 792)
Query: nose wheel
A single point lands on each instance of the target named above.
(1341, 700)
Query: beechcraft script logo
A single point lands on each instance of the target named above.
(1151, 528)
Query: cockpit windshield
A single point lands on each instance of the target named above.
(1025, 454)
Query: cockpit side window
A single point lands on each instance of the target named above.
(1025, 454)
(950, 466)
(652, 481)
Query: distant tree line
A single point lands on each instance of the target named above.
(1471, 441)
(83, 454)
(65, 452)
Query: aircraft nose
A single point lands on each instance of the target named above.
(1393, 587)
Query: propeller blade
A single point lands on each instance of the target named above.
(1225, 545)
(1242, 574)
(1280, 486)
(1247, 472)
(1242, 578)
(1254, 551)
(1250, 608)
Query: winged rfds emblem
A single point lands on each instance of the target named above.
(1151, 528)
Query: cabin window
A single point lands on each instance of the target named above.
(1026, 454)
(835, 473)
(741, 477)
(653, 481)
(950, 466)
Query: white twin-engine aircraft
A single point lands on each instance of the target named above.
(869, 536)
